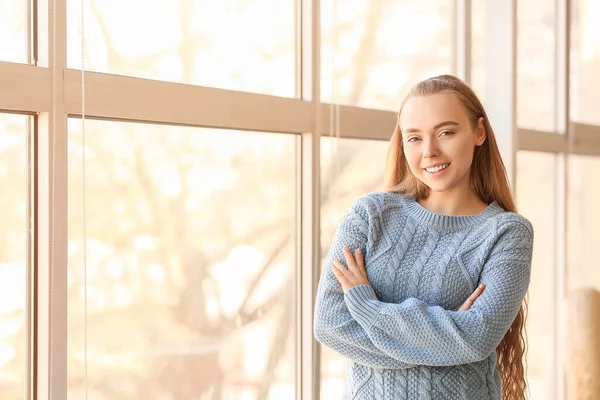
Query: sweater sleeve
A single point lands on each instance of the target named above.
(415, 332)
(334, 326)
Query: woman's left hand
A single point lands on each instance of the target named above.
(355, 274)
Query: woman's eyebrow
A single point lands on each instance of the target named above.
(438, 126)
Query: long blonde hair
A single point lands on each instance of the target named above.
(489, 182)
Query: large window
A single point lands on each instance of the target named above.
(373, 51)
(190, 262)
(229, 44)
(584, 219)
(535, 64)
(350, 169)
(586, 61)
(13, 30)
(535, 60)
(13, 255)
(185, 270)
(536, 177)
(478, 48)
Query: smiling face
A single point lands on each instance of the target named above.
(439, 140)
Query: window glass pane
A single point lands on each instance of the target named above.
(478, 48)
(585, 64)
(583, 219)
(349, 169)
(13, 30)
(372, 52)
(190, 263)
(583, 262)
(535, 64)
(535, 200)
(535, 61)
(13, 255)
(231, 44)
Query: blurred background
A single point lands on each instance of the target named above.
(194, 231)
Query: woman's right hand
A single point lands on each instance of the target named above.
(469, 302)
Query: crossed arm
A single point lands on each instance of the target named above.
(356, 324)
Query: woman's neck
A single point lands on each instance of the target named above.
(456, 203)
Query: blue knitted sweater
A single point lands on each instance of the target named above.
(403, 336)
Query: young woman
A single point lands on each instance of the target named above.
(424, 283)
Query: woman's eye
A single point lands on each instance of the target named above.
(412, 139)
(446, 133)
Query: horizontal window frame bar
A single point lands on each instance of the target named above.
(27, 89)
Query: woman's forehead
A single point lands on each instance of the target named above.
(430, 110)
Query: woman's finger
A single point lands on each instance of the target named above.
(340, 276)
(469, 302)
(350, 261)
(466, 305)
(360, 262)
(343, 270)
(477, 292)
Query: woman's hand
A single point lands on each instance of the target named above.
(355, 274)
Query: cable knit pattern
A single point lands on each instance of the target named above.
(425, 385)
(400, 250)
(441, 271)
(363, 376)
(401, 386)
(463, 381)
(361, 224)
(378, 380)
(424, 265)
(413, 288)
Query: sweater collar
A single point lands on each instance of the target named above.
(451, 222)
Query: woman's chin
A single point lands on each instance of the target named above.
(437, 187)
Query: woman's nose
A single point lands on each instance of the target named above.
(431, 149)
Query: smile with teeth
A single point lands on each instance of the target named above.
(437, 169)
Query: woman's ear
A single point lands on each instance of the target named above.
(480, 133)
